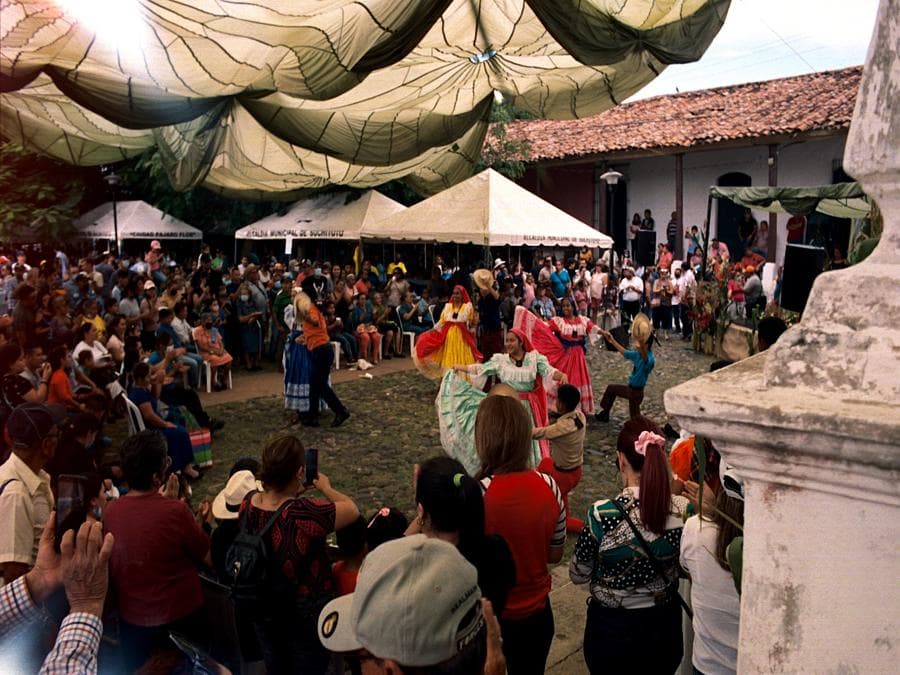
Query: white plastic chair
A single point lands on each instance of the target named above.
(406, 333)
(135, 419)
(337, 354)
(206, 374)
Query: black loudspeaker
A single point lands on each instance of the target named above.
(646, 248)
(802, 264)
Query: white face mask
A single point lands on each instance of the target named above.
(245, 298)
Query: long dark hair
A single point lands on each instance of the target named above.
(727, 505)
(452, 502)
(655, 487)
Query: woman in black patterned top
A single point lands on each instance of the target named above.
(298, 581)
(634, 618)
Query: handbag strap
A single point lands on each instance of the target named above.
(654, 561)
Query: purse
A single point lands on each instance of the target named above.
(657, 566)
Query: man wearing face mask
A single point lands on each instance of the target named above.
(316, 287)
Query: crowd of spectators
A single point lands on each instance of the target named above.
(465, 583)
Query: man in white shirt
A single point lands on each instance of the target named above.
(26, 499)
(683, 299)
(632, 290)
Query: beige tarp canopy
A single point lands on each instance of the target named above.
(266, 96)
(490, 210)
(330, 216)
(841, 200)
(136, 220)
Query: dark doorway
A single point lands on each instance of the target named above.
(729, 214)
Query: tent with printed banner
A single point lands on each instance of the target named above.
(268, 98)
(487, 209)
(136, 220)
(338, 215)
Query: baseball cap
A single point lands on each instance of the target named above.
(417, 602)
(148, 285)
(155, 244)
(31, 423)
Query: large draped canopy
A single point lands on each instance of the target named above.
(841, 200)
(266, 98)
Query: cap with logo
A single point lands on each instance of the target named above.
(417, 602)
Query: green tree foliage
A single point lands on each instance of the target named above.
(40, 196)
(145, 178)
(501, 152)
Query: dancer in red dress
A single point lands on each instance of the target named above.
(563, 340)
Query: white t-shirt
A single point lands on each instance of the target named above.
(714, 598)
(632, 289)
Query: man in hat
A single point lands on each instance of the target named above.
(490, 333)
(26, 498)
(416, 606)
(643, 362)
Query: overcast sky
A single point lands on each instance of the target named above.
(766, 39)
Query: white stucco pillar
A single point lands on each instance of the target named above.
(813, 425)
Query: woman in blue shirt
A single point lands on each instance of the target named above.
(643, 362)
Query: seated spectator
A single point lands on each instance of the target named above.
(173, 392)
(26, 500)
(185, 355)
(144, 393)
(338, 333)
(91, 315)
(159, 548)
(566, 437)
(211, 348)
(298, 581)
(60, 361)
(226, 509)
(397, 622)
(524, 507)
(634, 617)
(449, 506)
(411, 316)
(362, 325)
(15, 388)
(116, 343)
(62, 330)
(386, 524)
(352, 549)
(101, 372)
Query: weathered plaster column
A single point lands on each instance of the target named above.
(813, 425)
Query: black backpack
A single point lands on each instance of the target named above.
(247, 560)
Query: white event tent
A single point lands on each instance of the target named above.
(488, 209)
(327, 216)
(136, 220)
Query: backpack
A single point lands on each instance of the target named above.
(247, 560)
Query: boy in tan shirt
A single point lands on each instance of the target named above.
(566, 437)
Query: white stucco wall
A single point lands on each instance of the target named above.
(651, 182)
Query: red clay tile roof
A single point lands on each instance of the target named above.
(817, 102)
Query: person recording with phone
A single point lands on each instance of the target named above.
(299, 581)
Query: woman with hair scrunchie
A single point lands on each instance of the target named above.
(634, 617)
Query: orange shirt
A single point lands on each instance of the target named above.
(315, 329)
(60, 391)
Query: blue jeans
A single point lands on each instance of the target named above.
(348, 345)
(195, 361)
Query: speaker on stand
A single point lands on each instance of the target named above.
(802, 264)
(646, 248)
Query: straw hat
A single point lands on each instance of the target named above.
(499, 262)
(641, 328)
(483, 279)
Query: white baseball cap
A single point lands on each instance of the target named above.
(417, 602)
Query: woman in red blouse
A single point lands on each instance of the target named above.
(526, 509)
(299, 580)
